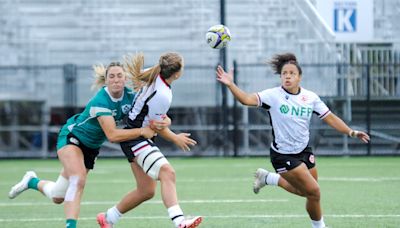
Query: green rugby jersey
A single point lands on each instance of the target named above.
(85, 125)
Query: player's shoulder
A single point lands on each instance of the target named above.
(100, 96)
(273, 90)
(129, 93)
(309, 93)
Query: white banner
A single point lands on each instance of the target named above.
(351, 20)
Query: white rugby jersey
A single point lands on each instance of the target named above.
(151, 103)
(290, 117)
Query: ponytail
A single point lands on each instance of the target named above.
(134, 65)
(99, 75)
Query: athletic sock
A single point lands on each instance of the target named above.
(33, 183)
(318, 224)
(70, 223)
(113, 215)
(176, 214)
(272, 179)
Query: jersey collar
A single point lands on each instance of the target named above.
(290, 92)
(165, 82)
(112, 98)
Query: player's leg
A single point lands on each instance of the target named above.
(144, 191)
(264, 177)
(154, 164)
(53, 190)
(170, 199)
(302, 179)
(72, 159)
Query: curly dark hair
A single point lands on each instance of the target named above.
(279, 60)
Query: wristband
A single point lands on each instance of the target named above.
(353, 133)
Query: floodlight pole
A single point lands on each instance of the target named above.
(225, 112)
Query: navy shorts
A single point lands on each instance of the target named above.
(132, 147)
(285, 162)
(89, 154)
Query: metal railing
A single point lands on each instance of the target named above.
(343, 86)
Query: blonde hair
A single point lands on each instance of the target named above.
(168, 64)
(100, 74)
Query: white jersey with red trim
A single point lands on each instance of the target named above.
(151, 103)
(290, 117)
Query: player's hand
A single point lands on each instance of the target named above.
(224, 77)
(158, 125)
(183, 141)
(360, 134)
(147, 132)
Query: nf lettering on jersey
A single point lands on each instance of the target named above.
(290, 117)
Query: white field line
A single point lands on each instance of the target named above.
(250, 179)
(17, 204)
(210, 217)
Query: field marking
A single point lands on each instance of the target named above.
(209, 217)
(250, 179)
(359, 179)
(18, 204)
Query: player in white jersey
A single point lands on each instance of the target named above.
(80, 139)
(290, 107)
(147, 162)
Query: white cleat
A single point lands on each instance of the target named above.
(260, 179)
(191, 223)
(22, 185)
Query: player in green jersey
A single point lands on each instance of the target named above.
(80, 139)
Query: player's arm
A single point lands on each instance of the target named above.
(243, 97)
(158, 125)
(338, 124)
(114, 134)
(182, 140)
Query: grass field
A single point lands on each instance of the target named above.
(356, 192)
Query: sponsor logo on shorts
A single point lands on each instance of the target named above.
(281, 170)
(74, 140)
(312, 159)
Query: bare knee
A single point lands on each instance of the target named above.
(167, 173)
(146, 194)
(313, 193)
(58, 200)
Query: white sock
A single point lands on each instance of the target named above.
(318, 224)
(113, 215)
(176, 214)
(272, 179)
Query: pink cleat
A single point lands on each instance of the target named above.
(191, 223)
(101, 220)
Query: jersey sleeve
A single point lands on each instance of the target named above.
(158, 107)
(99, 106)
(265, 98)
(320, 108)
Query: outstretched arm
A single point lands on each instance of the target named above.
(338, 124)
(243, 97)
(182, 140)
(114, 134)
